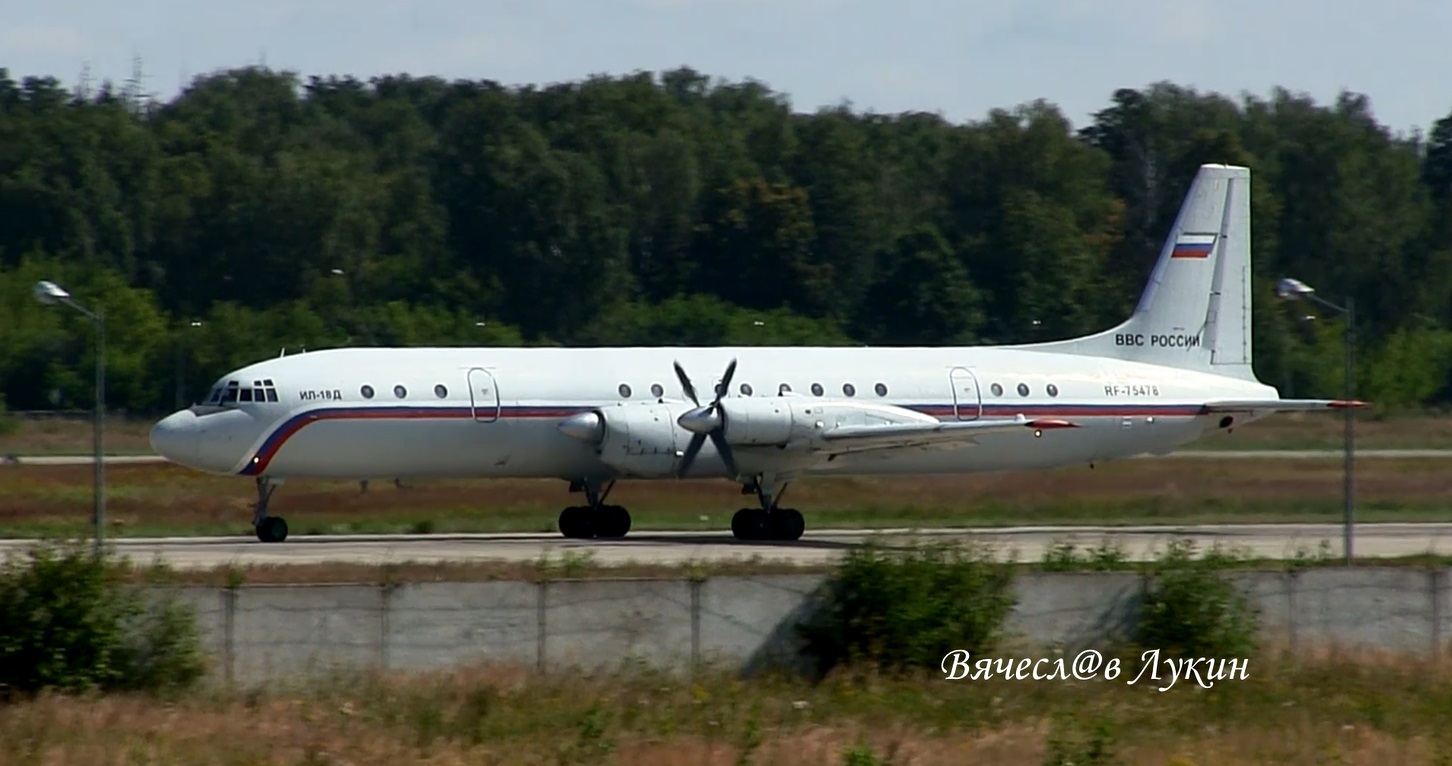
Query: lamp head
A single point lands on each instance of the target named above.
(50, 293)
(1292, 289)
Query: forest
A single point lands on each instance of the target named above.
(260, 211)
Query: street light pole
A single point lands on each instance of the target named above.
(51, 293)
(99, 520)
(1349, 476)
(1294, 289)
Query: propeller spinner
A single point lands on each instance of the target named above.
(705, 422)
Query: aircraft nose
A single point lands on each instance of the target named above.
(178, 437)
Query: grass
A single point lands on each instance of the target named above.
(167, 500)
(72, 436)
(1431, 430)
(1349, 709)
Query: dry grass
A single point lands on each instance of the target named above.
(165, 499)
(1349, 709)
(72, 436)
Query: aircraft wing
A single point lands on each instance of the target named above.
(1279, 405)
(856, 438)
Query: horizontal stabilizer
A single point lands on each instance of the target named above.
(1281, 405)
(901, 435)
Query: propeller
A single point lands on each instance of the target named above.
(706, 422)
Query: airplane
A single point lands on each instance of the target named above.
(1177, 368)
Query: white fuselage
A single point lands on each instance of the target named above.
(496, 412)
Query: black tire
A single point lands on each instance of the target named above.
(750, 524)
(575, 523)
(787, 525)
(273, 529)
(613, 521)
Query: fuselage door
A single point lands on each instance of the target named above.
(483, 395)
(967, 400)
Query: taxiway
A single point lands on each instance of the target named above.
(1273, 541)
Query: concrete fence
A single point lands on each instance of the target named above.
(263, 633)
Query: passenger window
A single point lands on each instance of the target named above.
(440, 391)
(366, 391)
(1053, 390)
(624, 391)
(849, 389)
(657, 390)
(817, 389)
(881, 389)
(400, 391)
(996, 389)
(746, 389)
(783, 389)
(1023, 389)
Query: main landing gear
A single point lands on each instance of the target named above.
(596, 520)
(769, 522)
(270, 529)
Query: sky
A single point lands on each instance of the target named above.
(954, 57)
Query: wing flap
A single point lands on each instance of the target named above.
(902, 435)
(1281, 405)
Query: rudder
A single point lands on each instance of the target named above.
(1195, 312)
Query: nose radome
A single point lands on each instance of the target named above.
(177, 437)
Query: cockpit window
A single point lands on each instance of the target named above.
(234, 392)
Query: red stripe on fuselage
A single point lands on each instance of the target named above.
(274, 443)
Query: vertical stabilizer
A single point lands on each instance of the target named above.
(1195, 312)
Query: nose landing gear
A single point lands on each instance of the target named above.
(270, 529)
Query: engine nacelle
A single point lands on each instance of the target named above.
(783, 420)
(637, 439)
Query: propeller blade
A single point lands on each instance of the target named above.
(686, 384)
(690, 457)
(726, 380)
(719, 439)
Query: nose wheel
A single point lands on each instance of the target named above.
(270, 529)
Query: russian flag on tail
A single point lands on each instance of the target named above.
(1193, 246)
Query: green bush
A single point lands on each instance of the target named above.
(908, 608)
(70, 622)
(1193, 609)
(1077, 742)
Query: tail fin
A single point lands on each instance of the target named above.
(1195, 312)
